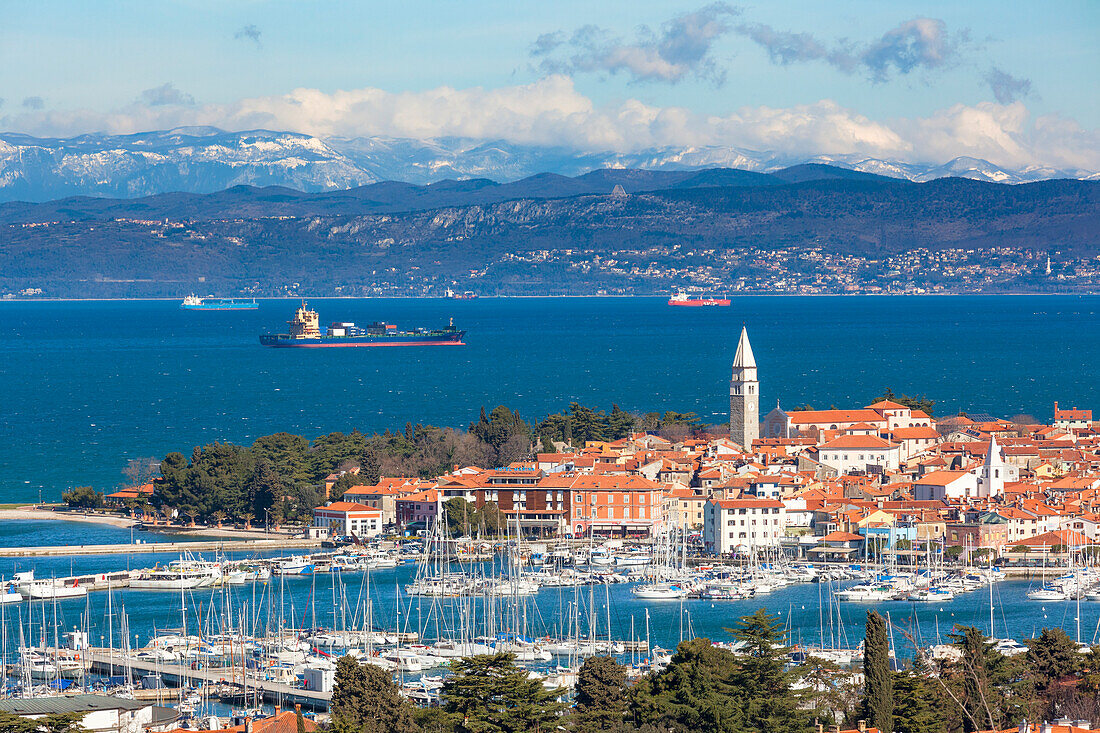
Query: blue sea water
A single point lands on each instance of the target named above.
(86, 386)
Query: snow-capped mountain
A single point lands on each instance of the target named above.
(196, 160)
(202, 160)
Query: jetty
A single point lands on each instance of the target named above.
(224, 545)
(112, 662)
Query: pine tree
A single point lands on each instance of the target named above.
(600, 695)
(488, 694)
(878, 699)
(771, 705)
(365, 700)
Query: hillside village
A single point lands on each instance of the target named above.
(824, 484)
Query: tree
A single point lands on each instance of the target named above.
(370, 467)
(878, 699)
(53, 723)
(920, 702)
(697, 691)
(365, 700)
(265, 488)
(1051, 656)
(140, 471)
(917, 402)
(771, 705)
(600, 695)
(459, 515)
(487, 693)
(299, 721)
(83, 497)
(342, 484)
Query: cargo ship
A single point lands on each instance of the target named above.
(468, 295)
(305, 332)
(682, 298)
(195, 303)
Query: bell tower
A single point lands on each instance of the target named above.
(744, 395)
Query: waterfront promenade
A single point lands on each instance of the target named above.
(280, 543)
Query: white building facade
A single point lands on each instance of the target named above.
(743, 525)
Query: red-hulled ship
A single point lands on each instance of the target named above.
(682, 298)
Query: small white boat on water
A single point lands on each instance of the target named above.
(294, 566)
(659, 592)
(1047, 593)
(866, 594)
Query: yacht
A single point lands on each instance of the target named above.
(1047, 593)
(865, 594)
(659, 592)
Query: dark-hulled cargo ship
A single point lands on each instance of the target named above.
(305, 332)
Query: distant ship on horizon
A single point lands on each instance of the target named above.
(682, 298)
(305, 332)
(467, 295)
(195, 303)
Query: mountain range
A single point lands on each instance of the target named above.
(206, 160)
(808, 228)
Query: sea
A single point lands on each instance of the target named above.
(87, 386)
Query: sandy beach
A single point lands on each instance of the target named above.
(29, 512)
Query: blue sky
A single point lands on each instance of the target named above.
(912, 80)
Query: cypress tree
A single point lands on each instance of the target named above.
(878, 699)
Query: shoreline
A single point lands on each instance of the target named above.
(154, 299)
(29, 512)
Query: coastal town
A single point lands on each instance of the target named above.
(877, 503)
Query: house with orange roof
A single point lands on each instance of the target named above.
(940, 485)
(614, 506)
(1072, 419)
(869, 453)
(682, 507)
(346, 519)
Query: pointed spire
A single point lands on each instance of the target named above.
(994, 452)
(744, 358)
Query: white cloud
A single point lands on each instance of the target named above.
(552, 112)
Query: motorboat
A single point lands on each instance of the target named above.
(866, 594)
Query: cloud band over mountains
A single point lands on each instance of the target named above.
(552, 112)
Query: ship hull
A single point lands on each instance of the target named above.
(343, 342)
(222, 307)
(700, 303)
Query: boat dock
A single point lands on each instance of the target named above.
(108, 662)
(223, 545)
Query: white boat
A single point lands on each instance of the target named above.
(10, 594)
(931, 595)
(659, 592)
(865, 594)
(172, 580)
(294, 566)
(1047, 594)
(49, 590)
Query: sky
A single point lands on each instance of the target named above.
(1016, 83)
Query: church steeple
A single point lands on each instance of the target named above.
(744, 395)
